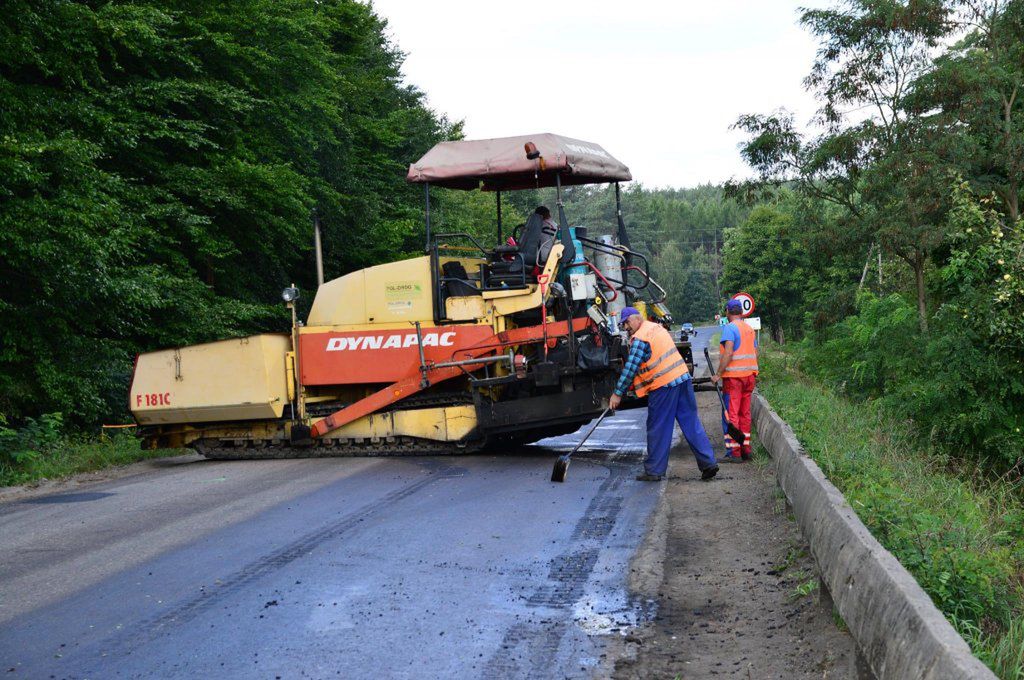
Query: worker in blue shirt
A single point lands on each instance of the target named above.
(737, 369)
(655, 369)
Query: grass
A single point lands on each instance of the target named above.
(71, 455)
(805, 589)
(960, 533)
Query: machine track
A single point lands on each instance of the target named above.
(248, 449)
(218, 449)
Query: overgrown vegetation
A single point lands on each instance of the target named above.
(40, 449)
(960, 533)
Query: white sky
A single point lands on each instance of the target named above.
(656, 82)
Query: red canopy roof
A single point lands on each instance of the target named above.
(502, 164)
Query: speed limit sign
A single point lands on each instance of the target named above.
(746, 301)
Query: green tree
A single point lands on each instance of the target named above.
(973, 96)
(882, 167)
(158, 164)
(474, 213)
(765, 257)
(687, 278)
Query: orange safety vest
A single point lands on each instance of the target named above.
(742, 365)
(666, 363)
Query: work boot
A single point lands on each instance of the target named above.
(648, 477)
(707, 474)
(729, 458)
(746, 456)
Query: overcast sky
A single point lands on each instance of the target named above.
(656, 82)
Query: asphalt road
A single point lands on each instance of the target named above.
(469, 566)
(472, 566)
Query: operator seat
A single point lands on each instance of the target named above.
(529, 244)
(456, 280)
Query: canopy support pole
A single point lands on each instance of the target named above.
(568, 257)
(426, 194)
(623, 236)
(569, 254)
(500, 240)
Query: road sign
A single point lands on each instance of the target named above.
(747, 301)
(754, 322)
(722, 321)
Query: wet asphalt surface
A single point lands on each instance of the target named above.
(468, 566)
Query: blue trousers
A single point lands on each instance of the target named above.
(666, 407)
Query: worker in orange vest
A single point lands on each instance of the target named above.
(737, 369)
(655, 369)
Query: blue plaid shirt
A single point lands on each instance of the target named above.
(639, 352)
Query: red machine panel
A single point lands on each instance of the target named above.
(380, 356)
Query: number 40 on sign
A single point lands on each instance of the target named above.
(747, 301)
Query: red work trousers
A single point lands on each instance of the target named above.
(737, 393)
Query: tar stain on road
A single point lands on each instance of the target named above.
(531, 650)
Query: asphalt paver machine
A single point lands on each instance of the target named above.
(463, 347)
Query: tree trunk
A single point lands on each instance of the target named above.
(1012, 202)
(922, 307)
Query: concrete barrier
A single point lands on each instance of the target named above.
(900, 632)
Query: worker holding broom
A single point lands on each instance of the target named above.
(737, 369)
(655, 369)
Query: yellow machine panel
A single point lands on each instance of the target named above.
(240, 379)
(449, 423)
(395, 293)
(388, 293)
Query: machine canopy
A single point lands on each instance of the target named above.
(501, 164)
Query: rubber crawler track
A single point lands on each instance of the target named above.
(399, 446)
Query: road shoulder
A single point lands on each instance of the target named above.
(738, 594)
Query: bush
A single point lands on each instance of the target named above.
(40, 449)
(866, 352)
(23, 447)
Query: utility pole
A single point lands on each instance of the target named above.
(317, 245)
(716, 268)
(867, 264)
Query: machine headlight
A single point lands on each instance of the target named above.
(290, 294)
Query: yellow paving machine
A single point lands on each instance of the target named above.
(465, 346)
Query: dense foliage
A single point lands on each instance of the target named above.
(159, 162)
(892, 237)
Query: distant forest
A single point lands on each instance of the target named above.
(680, 231)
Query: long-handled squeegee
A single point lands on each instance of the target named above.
(734, 432)
(562, 462)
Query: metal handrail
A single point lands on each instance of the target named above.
(621, 252)
(438, 237)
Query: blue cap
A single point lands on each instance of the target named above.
(626, 313)
(734, 307)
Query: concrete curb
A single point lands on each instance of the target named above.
(900, 632)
